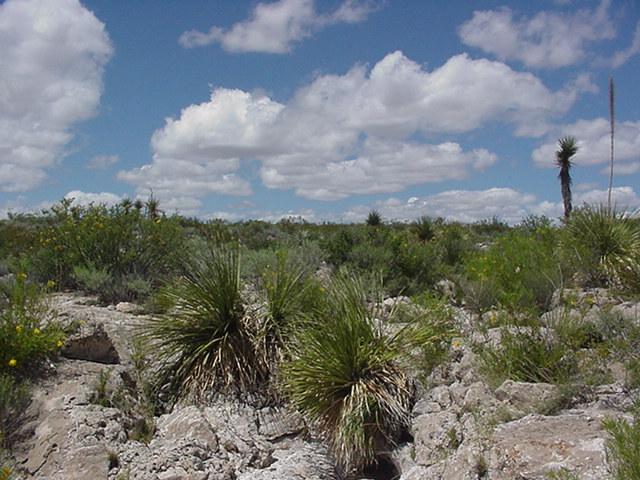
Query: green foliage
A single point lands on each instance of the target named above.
(522, 269)
(288, 294)
(14, 398)
(406, 264)
(345, 377)
(562, 474)
(528, 354)
(374, 219)
(424, 228)
(623, 448)
(207, 340)
(28, 332)
(112, 250)
(605, 244)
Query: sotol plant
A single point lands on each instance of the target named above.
(610, 240)
(345, 376)
(207, 341)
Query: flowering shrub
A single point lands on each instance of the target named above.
(118, 252)
(28, 333)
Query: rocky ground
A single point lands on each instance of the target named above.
(86, 421)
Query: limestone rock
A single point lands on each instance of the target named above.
(536, 445)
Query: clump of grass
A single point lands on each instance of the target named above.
(286, 290)
(346, 378)
(207, 341)
(623, 448)
(528, 354)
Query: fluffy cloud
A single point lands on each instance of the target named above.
(621, 57)
(506, 204)
(381, 166)
(102, 162)
(86, 198)
(53, 55)
(276, 27)
(546, 40)
(594, 144)
(356, 133)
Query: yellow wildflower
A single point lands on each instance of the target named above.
(158, 221)
(13, 362)
(51, 284)
(456, 343)
(36, 331)
(19, 328)
(59, 344)
(21, 276)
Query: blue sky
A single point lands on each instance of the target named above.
(322, 109)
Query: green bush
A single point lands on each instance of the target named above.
(344, 374)
(108, 249)
(207, 341)
(605, 244)
(28, 332)
(522, 268)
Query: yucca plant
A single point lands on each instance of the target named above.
(374, 219)
(285, 288)
(612, 240)
(207, 341)
(345, 376)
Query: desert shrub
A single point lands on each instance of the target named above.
(523, 269)
(455, 242)
(424, 228)
(623, 448)
(207, 341)
(109, 249)
(306, 255)
(345, 376)
(28, 332)
(605, 245)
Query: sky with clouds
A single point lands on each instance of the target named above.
(319, 109)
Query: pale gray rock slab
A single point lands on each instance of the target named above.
(536, 445)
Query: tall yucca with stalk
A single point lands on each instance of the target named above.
(567, 148)
(344, 374)
(612, 240)
(207, 341)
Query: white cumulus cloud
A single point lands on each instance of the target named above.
(506, 204)
(366, 131)
(549, 39)
(53, 53)
(594, 144)
(79, 197)
(102, 162)
(275, 27)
